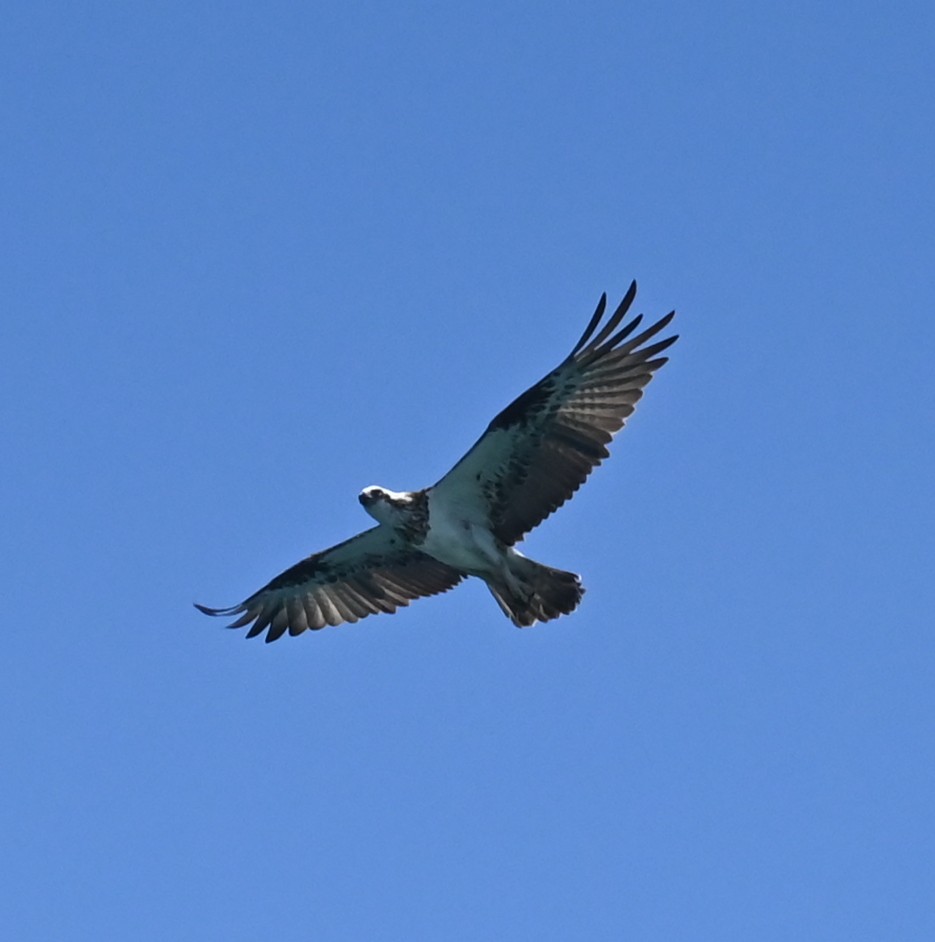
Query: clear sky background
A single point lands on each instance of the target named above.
(259, 256)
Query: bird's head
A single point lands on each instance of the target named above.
(371, 495)
(378, 502)
(383, 505)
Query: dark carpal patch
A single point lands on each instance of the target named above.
(531, 402)
(415, 527)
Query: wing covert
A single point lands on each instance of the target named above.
(373, 572)
(541, 448)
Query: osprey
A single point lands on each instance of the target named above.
(532, 458)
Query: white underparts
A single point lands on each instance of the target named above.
(463, 543)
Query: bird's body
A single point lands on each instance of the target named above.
(533, 456)
(459, 537)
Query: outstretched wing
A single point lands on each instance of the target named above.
(375, 571)
(541, 448)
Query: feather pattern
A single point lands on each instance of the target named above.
(541, 448)
(375, 571)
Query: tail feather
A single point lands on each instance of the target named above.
(540, 593)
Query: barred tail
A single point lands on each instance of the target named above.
(539, 593)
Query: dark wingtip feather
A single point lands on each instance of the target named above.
(592, 326)
(622, 308)
(591, 344)
(633, 345)
(215, 611)
(658, 347)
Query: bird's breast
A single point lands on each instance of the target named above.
(456, 537)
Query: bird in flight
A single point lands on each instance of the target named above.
(532, 458)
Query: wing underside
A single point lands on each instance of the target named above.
(373, 572)
(541, 448)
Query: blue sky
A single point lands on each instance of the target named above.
(260, 256)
